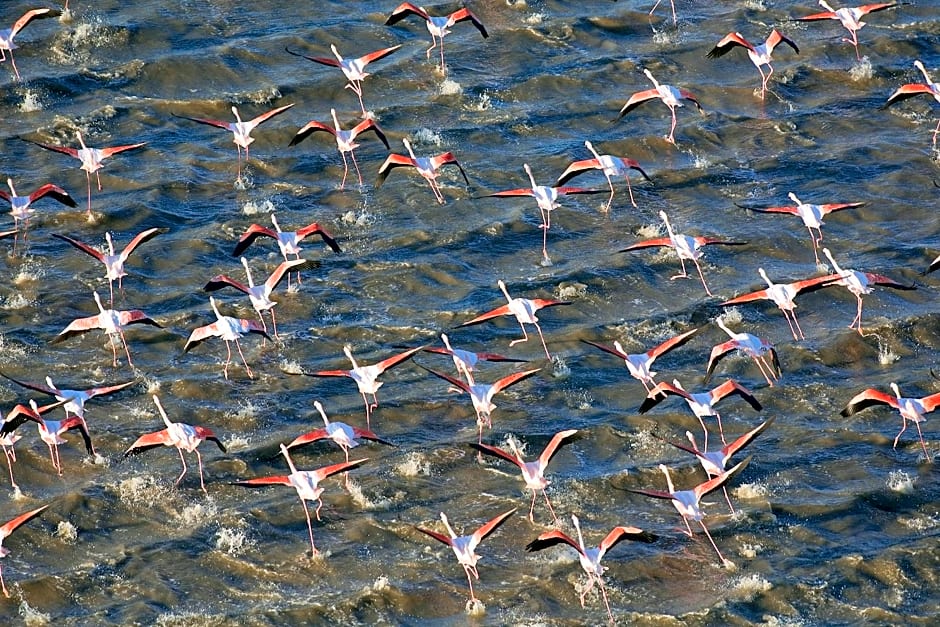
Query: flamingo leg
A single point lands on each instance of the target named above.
(684, 274)
(525, 337)
(356, 86)
(470, 582)
(702, 276)
(13, 63)
(313, 549)
(182, 459)
(764, 79)
(244, 361)
(858, 317)
(727, 498)
(587, 589)
(228, 359)
(3, 585)
(761, 364)
(352, 155)
(88, 181)
(437, 191)
(11, 457)
(629, 190)
(547, 502)
(542, 337)
(202, 482)
(922, 443)
(672, 137)
(903, 428)
(715, 546)
(610, 614)
(721, 431)
(935, 132)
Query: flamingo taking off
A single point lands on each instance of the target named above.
(7, 35)
(523, 309)
(287, 241)
(345, 140)
(9, 527)
(20, 206)
(913, 409)
(355, 71)
(50, 431)
(14, 419)
(640, 365)
(464, 547)
(342, 434)
(609, 166)
(752, 346)
(111, 322)
(759, 55)
(438, 26)
(113, 264)
(229, 329)
(181, 435)
(910, 90)
(671, 97)
(241, 131)
(74, 400)
(590, 558)
(686, 247)
(426, 166)
(533, 473)
(851, 18)
(91, 158)
(465, 361)
(307, 484)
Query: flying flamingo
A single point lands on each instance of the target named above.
(481, 394)
(465, 361)
(759, 55)
(8, 528)
(74, 400)
(111, 322)
(715, 462)
(426, 166)
(752, 346)
(20, 207)
(701, 404)
(609, 166)
(688, 502)
(366, 377)
(860, 283)
(547, 199)
(259, 295)
(342, 434)
(91, 158)
(8, 436)
(914, 89)
(7, 35)
(913, 409)
(355, 71)
(241, 131)
(851, 18)
(307, 484)
(523, 309)
(113, 264)
(782, 294)
(533, 473)
(49, 430)
(686, 247)
(287, 241)
(345, 140)
(181, 435)
(810, 214)
(437, 26)
(640, 365)
(229, 329)
(590, 558)
(464, 547)
(670, 96)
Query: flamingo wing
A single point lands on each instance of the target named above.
(394, 360)
(908, 91)
(269, 114)
(448, 158)
(649, 243)
(205, 433)
(113, 150)
(868, 398)
(671, 343)
(511, 379)
(378, 54)
(713, 484)
(248, 237)
(717, 353)
(636, 100)
(109, 389)
(405, 9)
(607, 349)
(733, 387)
(140, 238)
(497, 452)
(79, 325)
(310, 436)
(727, 44)
(316, 229)
(285, 266)
(31, 386)
(264, 481)
(77, 423)
(29, 16)
(746, 298)
(370, 125)
(464, 14)
(201, 334)
(366, 434)
(551, 538)
(618, 534)
(394, 160)
(578, 167)
(440, 537)
(829, 208)
(659, 394)
(136, 316)
(217, 123)
(776, 38)
(322, 60)
(55, 192)
(730, 449)
(558, 440)
(327, 471)
(463, 385)
(308, 129)
(149, 441)
(85, 248)
(490, 526)
(493, 313)
(11, 525)
(72, 152)
(221, 280)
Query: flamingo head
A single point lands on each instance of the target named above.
(235, 111)
(10, 185)
(895, 389)
(319, 407)
(407, 144)
(793, 197)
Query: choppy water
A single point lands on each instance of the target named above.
(835, 526)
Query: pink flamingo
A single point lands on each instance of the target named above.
(913, 409)
(859, 283)
(345, 140)
(287, 241)
(609, 165)
(640, 365)
(342, 434)
(465, 361)
(15, 418)
(20, 206)
(7, 35)
(427, 167)
(752, 346)
(438, 26)
(759, 55)
(671, 97)
(229, 329)
(910, 90)
(851, 18)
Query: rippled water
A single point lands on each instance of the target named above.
(834, 525)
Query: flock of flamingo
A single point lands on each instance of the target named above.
(715, 459)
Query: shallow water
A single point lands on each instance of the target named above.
(833, 524)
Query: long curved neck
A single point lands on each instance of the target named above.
(290, 462)
(166, 419)
(319, 406)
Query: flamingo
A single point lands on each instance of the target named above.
(810, 214)
(112, 323)
(241, 131)
(481, 394)
(752, 346)
(913, 409)
(91, 158)
(640, 365)
(74, 400)
(782, 294)
(426, 166)
(465, 361)
(523, 309)
(8, 436)
(7, 35)
(860, 283)
(20, 207)
(609, 166)
(670, 96)
(354, 69)
(342, 434)
(686, 247)
(437, 26)
(345, 140)
(759, 55)
(229, 329)
(464, 547)
(113, 264)
(9, 527)
(533, 473)
(701, 404)
(307, 484)
(688, 502)
(715, 462)
(287, 241)
(181, 435)
(547, 199)
(851, 18)
(590, 558)
(6, 443)
(49, 430)
(366, 377)
(259, 295)
(914, 89)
